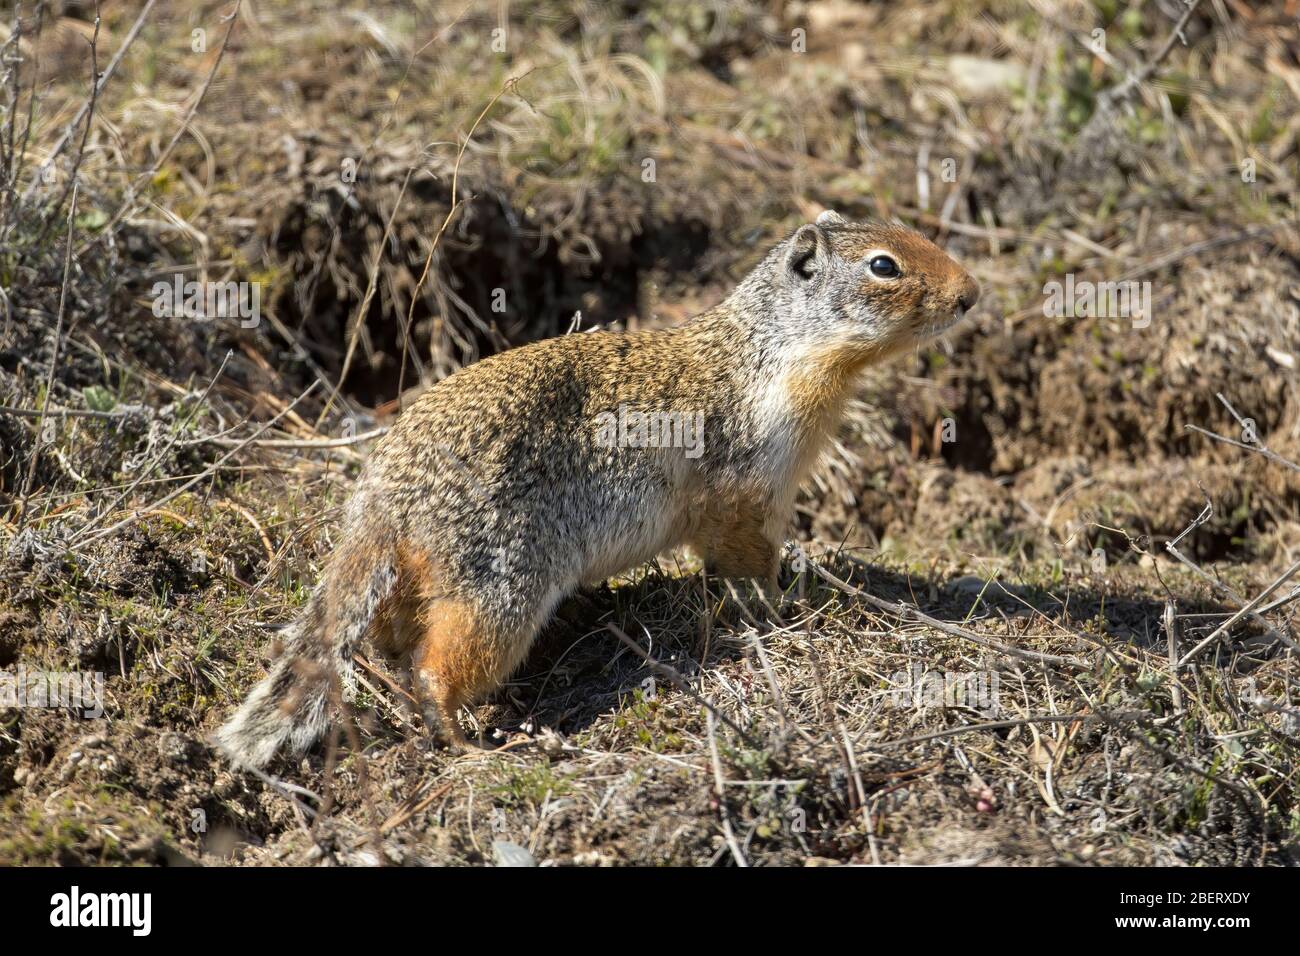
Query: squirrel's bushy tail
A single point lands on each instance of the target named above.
(291, 706)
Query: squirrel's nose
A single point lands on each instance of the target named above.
(970, 294)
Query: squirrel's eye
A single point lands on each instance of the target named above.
(883, 267)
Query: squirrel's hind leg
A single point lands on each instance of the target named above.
(459, 657)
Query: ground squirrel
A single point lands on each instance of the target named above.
(511, 483)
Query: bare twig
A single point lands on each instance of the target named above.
(206, 473)
(289, 791)
(1172, 547)
(128, 205)
(1004, 724)
(844, 744)
(359, 322)
(148, 467)
(1257, 449)
(456, 203)
(1245, 610)
(74, 172)
(54, 361)
(305, 443)
(678, 681)
(720, 791)
(1123, 89)
(1171, 642)
(115, 415)
(1254, 445)
(104, 77)
(906, 611)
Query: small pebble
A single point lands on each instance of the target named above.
(511, 854)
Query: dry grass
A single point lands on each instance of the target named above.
(152, 529)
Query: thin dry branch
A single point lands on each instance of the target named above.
(1248, 608)
(303, 443)
(1255, 445)
(679, 682)
(1110, 97)
(206, 473)
(908, 612)
(104, 77)
(54, 361)
(456, 203)
(128, 205)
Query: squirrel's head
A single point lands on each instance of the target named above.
(868, 287)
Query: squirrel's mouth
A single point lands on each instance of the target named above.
(945, 321)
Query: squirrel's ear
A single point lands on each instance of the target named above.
(830, 217)
(808, 253)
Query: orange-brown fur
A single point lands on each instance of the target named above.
(731, 538)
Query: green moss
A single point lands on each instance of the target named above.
(531, 786)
